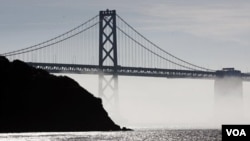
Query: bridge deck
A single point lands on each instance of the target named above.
(126, 71)
(129, 71)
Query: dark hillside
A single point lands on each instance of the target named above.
(33, 100)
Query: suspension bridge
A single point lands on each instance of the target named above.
(108, 46)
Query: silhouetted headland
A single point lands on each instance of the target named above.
(32, 100)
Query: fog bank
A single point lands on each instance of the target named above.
(168, 103)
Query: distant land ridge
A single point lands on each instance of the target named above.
(32, 100)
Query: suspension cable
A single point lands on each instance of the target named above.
(73, 35)
(203, 68)
(27, 48)
(151, 50)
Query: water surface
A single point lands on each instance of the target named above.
(137, 135)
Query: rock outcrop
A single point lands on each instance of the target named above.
(33, 100)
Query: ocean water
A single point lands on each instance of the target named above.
(137, 135)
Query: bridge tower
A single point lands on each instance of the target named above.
(108, 83)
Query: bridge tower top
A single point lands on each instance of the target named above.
(107, 39)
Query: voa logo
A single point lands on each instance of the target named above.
(236, 132)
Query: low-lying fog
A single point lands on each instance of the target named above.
(170, 103)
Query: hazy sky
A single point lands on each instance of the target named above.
(211, 33)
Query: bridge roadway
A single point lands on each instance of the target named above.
(130, 71)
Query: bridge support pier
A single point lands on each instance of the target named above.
(228, 96)
(108, 91)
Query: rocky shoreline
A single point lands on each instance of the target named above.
(32, 100)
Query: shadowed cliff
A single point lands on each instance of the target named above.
(33, 100)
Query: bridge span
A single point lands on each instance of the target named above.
(144, 72)
(107, 45)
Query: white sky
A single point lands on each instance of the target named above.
(210, 33)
